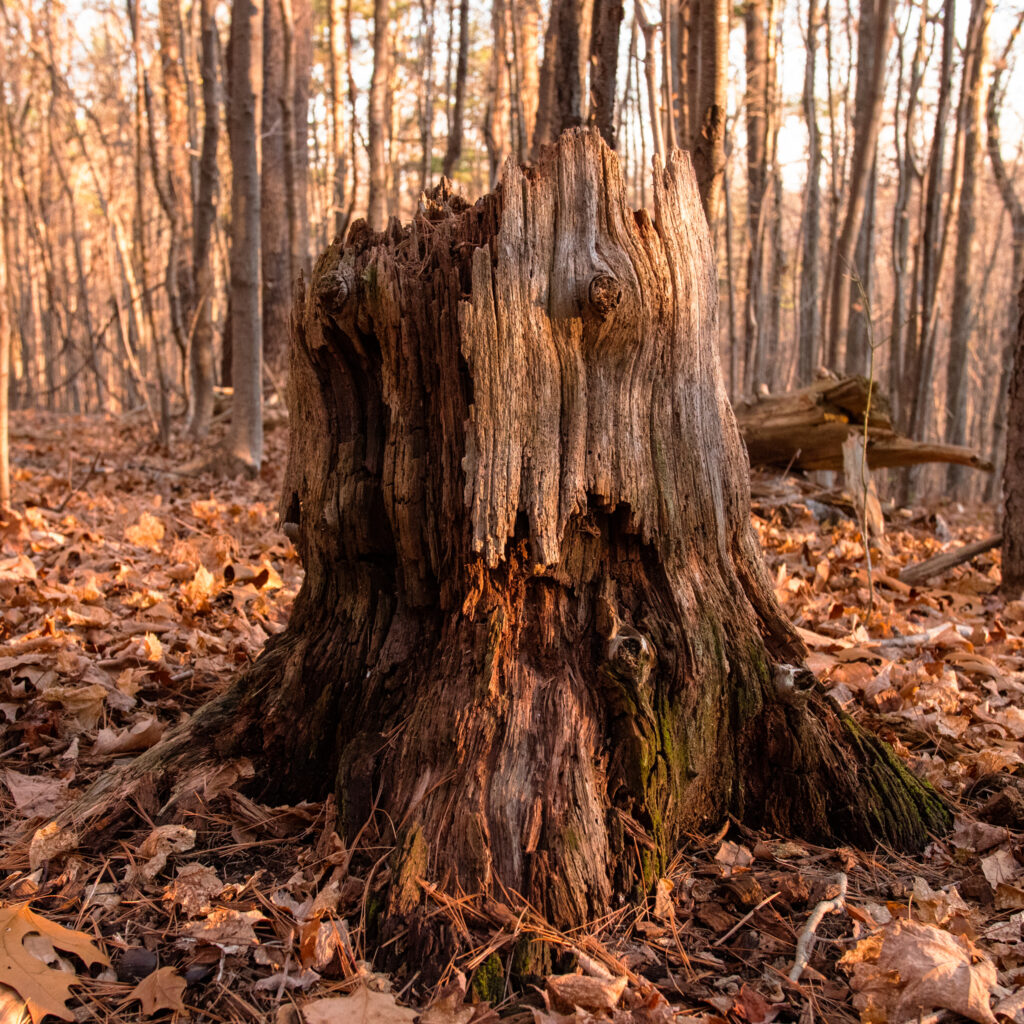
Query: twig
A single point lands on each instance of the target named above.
(807, 936)
(743, 920)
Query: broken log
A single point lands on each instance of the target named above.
(922, 572)
(806, 429)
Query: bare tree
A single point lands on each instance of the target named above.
(874, 34)
(810, 307)
(379, 116)
(245, 90)
(454, 149)
(604, 59)
(201, 353)
(1013, 471)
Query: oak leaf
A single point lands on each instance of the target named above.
(362, 1007)
(43, 989)
(909, 969)
(161, 990)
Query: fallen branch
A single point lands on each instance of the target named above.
(806, 429)
(807, 936)
(921, 572)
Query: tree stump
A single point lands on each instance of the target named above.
(536, 636)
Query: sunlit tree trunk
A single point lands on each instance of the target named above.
(962, 315)
(1013, 471)
(453, 151)
(245, 89)
(379, 116)
(604, 59)
(874, 34)
(201, 359)
(810, 299)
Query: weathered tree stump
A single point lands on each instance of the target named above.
(536, 633)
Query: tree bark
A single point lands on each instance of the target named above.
(379, 117)
(245, 89)
(202, 374)
(536, 642)
(454, 149)
(710, 30)
(604, 60)
(874, 34)
(961, 325)
(810, 308)
(1013, 469)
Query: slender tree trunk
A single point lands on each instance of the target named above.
(201, 361)
(561, 76)
(245, 89)
(1013, 471)
(427, 112)
(963, 312)
(874, 34)
(907, 177)
(497, 119)
(709, 108)
(756, 106)
(810, 307)
(453, 152)
(5, 320)
(297, 127)
(536, 644)
(920, 343)
(858, 337)
(1015, 208)
(651, 79)
(335, 78)
(380, 116)
(604, 59)
(526, 39)
(274, 242)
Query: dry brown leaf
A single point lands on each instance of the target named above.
(362, 1007)
(36, 796)
(193, 888)
(49, 842)
(44, 990)
(145, 733)
(148, 532)
(161, 990)
(160, 844)
(569, 991)
(227, 928)
(909, 969)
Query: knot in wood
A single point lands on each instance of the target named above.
(604, 295)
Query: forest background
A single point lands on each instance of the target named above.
(169, 170)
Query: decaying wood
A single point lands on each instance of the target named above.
(938, 564)
(536, 643)
(806, 429)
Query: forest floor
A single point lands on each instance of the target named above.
(132, 588)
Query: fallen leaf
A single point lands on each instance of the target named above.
(1000, 867)
(146, 533)
(909, 969)
(160, 844)
(227, 928)
(193, 888)
(569, 991)
(144, 734)
(49, 842)
(732, 855)
(44, 990)
(35, 796)
(161, 990)
(362, 1007)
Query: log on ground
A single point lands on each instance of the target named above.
(806, 429)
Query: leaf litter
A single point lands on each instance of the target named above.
(132, 591)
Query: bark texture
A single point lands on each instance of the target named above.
(536, 635)
(1013, 469)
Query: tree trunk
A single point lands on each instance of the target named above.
(1013, 469)
(379, 117)
(275, 249)
(961, 324)
(245, 64)
(709, 33)
(810, 309)
(454, 149)
(604, 60)
(874, 33)
(537, 643)
(201, 352)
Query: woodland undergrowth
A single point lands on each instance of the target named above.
(134, 586)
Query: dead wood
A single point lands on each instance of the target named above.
(806, 429)
(921, 572)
